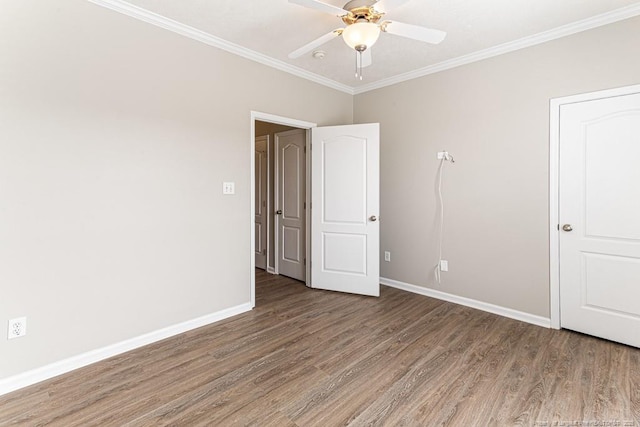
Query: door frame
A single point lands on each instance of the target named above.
(267, 206)
(554, 187)
(280, 120)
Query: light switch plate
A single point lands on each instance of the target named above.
(228, 188)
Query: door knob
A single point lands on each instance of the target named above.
(279, 212)
(373, 218)
(567, 227)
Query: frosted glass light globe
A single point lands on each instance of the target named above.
(361, 33)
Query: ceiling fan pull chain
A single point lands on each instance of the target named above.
(359, 49)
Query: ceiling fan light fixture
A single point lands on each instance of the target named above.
(361, 34)
(363, 20)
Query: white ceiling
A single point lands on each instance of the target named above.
(475, 29)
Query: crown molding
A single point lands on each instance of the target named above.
(144, 15)
(211, 40)
(556, 33)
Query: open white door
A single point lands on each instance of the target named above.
(345, 164)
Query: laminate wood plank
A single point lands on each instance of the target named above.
(634, 384)
(525, 365)
(306, 357)
(275, 397)
(448, 361)
(444, 402)
(111, 375)
(219, 376)
(358, 373)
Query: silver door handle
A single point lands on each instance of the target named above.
(279, 212)
(373, 218)
(567, 227)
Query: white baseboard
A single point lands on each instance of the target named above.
(37, 375)
(271, 270)
(491, 308)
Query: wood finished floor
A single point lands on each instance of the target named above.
(314, 358)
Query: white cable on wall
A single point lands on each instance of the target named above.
(444, 156)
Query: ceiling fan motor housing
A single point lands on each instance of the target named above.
(361, 10)
(354, 4)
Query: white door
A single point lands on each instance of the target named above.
(261, 217)
(345, 208)
(599, 215)
(290, 174)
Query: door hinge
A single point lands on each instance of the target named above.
(304, 205)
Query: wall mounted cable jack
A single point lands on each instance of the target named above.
(444, 155)
(441, 265)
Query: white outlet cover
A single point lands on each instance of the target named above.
(17, 328)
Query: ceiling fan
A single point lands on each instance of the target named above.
(364, 24)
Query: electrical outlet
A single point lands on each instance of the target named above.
(17, 328)
(444, 265)
(387, 256)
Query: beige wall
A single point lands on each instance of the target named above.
(115, 138)
(270, 130)
(493, 117)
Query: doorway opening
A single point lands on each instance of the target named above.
(280, 192)
(280, 199)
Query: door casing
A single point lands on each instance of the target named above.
(271, 118)
(264, 209)
(554, 187)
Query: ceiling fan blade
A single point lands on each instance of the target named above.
(415, 32)
(322, 7)
(314, 44)
(385, 6)
(367, 58)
